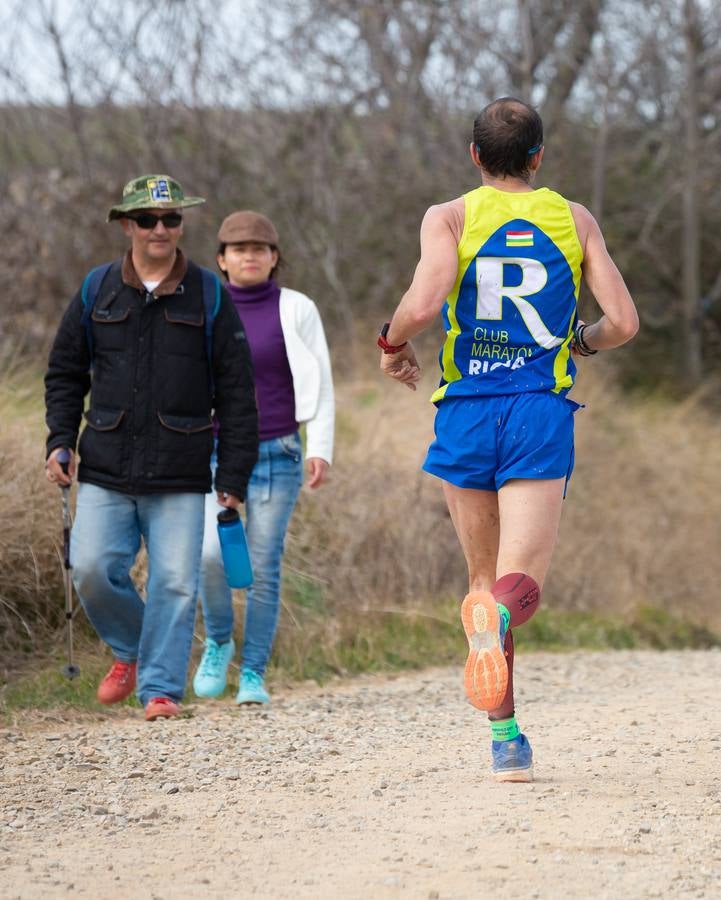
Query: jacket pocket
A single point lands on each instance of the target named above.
(102, 442)
(184, 446)
(185, 424)
(103, 419)
(184, 331)
(110, 328)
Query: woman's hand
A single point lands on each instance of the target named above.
(229, 501)
(317, 471)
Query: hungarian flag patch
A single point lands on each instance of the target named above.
(519, 239)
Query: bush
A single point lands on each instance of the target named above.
(374, 550)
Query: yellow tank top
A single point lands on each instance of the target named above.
(510, 317)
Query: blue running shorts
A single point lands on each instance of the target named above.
(482, 442)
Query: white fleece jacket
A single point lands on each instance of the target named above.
(309, 360)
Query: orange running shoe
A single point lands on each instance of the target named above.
(161, 708)
(119, 683)
(486, 675)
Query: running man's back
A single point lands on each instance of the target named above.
(510, 316)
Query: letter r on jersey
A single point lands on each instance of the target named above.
(491, 289)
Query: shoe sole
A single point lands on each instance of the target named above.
(208, 694)
(119, 699)
(518, 776)
(485, 678)
(161, 715)
(110, 702)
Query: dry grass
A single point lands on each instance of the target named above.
(30, 519)
(640, 525)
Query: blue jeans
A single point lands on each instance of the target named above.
(105, 541)
(272, 494)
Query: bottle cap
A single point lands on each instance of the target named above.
(228, 516)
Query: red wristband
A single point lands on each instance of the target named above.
(383, 343)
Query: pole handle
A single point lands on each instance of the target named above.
(64, 459)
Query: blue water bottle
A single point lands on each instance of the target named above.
(234, 548)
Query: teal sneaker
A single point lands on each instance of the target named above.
(211, 677)
(251, 688)
(512, 760)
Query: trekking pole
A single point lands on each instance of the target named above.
(70, 670)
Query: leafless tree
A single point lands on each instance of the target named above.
(343, 121)
(692, 315)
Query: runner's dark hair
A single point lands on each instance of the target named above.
(281, 261)
(504, 132)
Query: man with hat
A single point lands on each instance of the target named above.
(159, 345)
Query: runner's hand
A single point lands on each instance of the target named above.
(403, 366)
(53, 469)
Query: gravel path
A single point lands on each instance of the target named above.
(379, 788)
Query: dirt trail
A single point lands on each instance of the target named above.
(379, 788)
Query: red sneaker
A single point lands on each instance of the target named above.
(161, 708)
(119, 683)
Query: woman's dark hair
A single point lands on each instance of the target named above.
(507, 133)
(280, 264)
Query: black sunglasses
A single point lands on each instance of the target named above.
(148, 221)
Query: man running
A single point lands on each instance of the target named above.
(504, 264)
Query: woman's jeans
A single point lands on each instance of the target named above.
(105, 541)
(272, 494)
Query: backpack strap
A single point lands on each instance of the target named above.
(211, 305)
(89, 294)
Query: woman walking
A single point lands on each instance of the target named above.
(293, 385)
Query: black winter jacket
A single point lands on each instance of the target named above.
(148, 427)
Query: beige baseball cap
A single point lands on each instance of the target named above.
(246, 225)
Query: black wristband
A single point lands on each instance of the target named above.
(581, 345)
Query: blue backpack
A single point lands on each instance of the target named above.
(90, 291)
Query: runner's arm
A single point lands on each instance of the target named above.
(433, 280)
(434, 277)
(619, 322)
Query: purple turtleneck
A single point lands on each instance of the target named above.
(259, 310)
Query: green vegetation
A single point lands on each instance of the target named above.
(48, 688)
(387, 641)
(374, 641)
(368, 556)
(650, 628)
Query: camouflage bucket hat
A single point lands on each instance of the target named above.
(152, 192)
